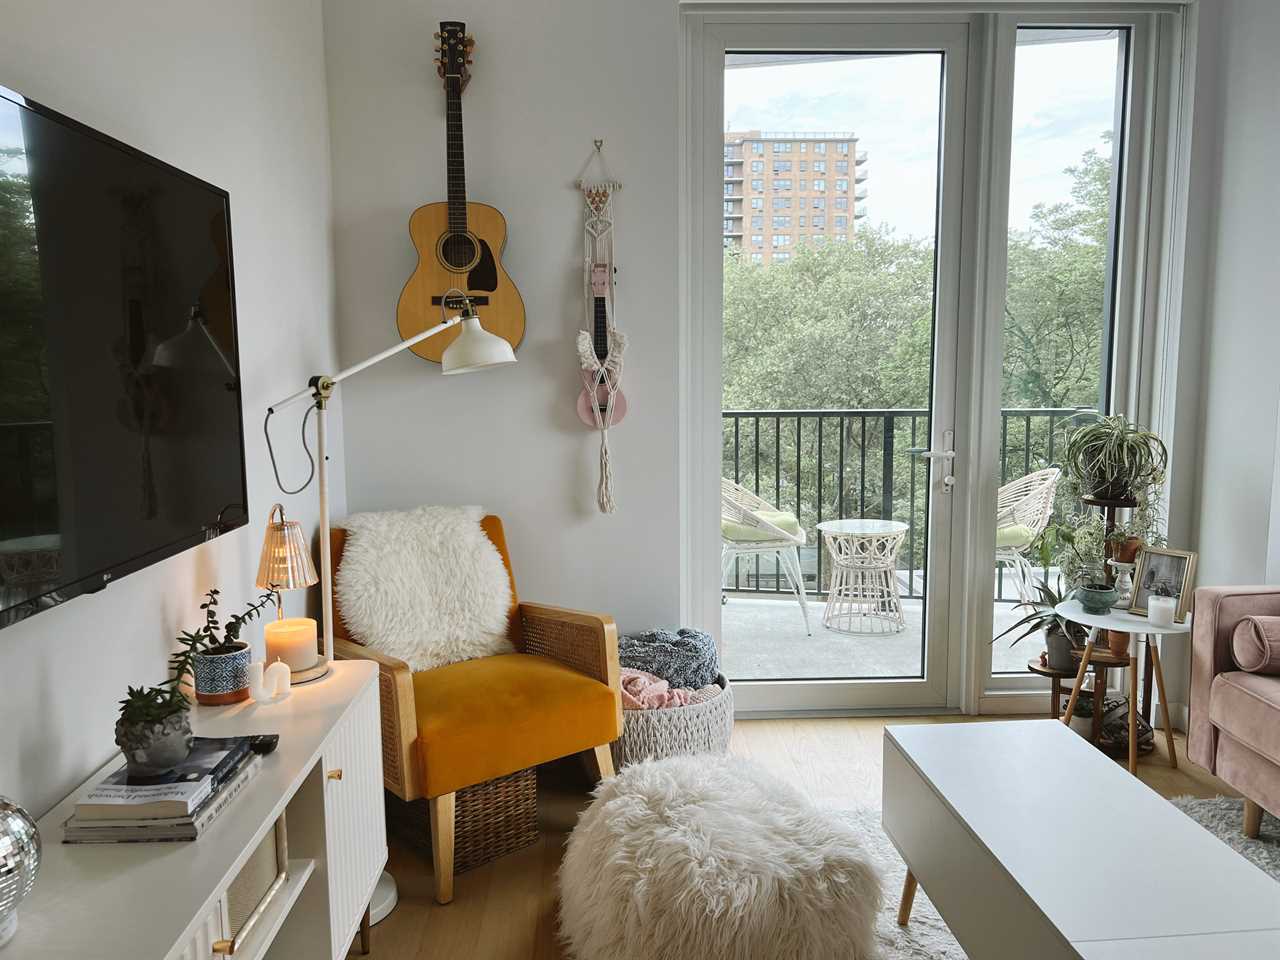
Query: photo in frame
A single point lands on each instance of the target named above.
(1164, 573)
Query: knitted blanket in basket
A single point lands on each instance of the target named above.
(683, 658)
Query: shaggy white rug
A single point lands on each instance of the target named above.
(713, 858)
(426, 586)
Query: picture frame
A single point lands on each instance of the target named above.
(1163, 572)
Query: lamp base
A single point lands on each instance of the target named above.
(297, 677)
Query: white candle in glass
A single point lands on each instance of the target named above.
(292, 640)
(1160, 610)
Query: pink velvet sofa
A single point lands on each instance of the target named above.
(1234, 727)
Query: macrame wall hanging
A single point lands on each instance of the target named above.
(601, 404)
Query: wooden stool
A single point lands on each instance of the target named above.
(1055, 684)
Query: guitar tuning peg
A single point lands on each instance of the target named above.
(436, 35)
(469, 61)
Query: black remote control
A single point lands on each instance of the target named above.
(264, 743)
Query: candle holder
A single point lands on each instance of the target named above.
(286, 565)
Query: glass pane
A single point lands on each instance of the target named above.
(828, 354)
(1068, 94)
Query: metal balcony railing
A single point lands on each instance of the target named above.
(833, 464)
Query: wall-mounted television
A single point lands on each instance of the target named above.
(121, 435)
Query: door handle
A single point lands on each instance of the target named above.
(925, 454)
(947, 457)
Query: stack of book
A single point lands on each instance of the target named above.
(178, 806)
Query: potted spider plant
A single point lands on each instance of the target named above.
(1061, 636)
(1112, 459)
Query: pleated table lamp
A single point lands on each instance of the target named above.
(286, 565)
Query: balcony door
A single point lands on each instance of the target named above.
(838, 178)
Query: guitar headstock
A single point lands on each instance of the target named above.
(454, 53)
(599, 279)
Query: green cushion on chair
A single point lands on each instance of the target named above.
(740, 532)
(1015, 535)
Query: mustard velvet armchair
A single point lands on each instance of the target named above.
(466, 723)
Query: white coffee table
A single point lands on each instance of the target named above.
(1003, 825)
(863, 596)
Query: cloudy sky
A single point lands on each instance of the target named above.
(1064, 101)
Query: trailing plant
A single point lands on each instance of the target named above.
(1042, 616)
(1112, 459)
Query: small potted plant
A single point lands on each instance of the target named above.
(1061, 636)
(214, 654)
(1112, 460)
(154, 729)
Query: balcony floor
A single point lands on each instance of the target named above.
(764, 639)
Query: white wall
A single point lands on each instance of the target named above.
(1236, 114)
(548, 77)
(232, 92)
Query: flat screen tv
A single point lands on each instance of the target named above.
(121, 437)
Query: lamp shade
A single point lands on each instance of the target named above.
(475, 348)
(286, 560)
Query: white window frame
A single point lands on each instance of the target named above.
(1147, 298)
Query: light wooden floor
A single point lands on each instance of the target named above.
(506, 910)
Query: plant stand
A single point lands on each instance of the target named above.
(1109, 508)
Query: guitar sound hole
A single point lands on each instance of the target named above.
(459, 251)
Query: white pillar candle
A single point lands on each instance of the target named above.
(292, 640)
(1160, 610)
(257, 691)
(276, 680)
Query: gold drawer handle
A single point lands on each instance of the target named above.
(335, 774)
(224, 948)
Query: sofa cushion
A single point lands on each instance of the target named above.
(1255, 645)
(1247, 707)
(485, 718)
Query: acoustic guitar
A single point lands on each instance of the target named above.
(459, 244)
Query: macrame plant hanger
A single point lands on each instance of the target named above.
(601, 404)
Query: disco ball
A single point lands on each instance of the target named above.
(19, 863)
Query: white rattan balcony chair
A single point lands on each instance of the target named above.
(750, 526)
(1023, 507)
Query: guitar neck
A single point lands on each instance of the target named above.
(455, 169)
(601, 338)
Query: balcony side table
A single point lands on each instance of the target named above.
(1138, 628)
(863, 596)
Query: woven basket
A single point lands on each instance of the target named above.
(490, 819)
(671, 731)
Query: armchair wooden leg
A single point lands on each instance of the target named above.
(1252, 819)
(599, 762)
(442, 845)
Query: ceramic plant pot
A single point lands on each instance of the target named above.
(1096, 598)
(1118, 642)
(1058, 648)
(1127, 550)
(153, 749)
(222, 674)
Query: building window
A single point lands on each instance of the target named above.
(842, 166)
(728, 189)
(757, 222)
(782, 223)
(842, 223)
(728, 206)
(841, 237)
(757, 186)
(757, 240)
(819, 166)
(782, 239)
(782, 166)
(781, 255)
(819, 221)
(804, 165)
(757, 166)
(801, 223)
(783, 146)
(757, 146)
(757, 203)
(728, 226)
(728, 155)
(757, 258)
(729, 244)
(728, 170)
(842, 185)
(782, 184)
(782, 203)
(819, 148)
(819, 203)
(820, 186)
(842, 147)
(842, 203)
(819, 238)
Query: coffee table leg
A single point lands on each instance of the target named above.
(908, 897)
(1133, 704)
(1084, 669)
(1164, 703)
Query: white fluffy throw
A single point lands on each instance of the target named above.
(712, 858)
(426, 586)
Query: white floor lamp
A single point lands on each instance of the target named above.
(474, 349)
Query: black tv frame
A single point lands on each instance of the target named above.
(99, 579)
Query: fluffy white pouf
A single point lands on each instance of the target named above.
(710, 857)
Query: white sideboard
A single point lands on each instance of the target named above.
(165, 901)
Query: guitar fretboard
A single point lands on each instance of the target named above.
(457, 180)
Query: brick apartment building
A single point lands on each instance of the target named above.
(784, 189)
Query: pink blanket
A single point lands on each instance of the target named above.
(644, 691)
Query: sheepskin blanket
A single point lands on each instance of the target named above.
(684, 658)
(426, 586)
(713, 858)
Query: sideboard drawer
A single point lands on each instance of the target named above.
(355, 824)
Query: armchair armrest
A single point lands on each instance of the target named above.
(400, 771)
(1215, 613)
(587, 642)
